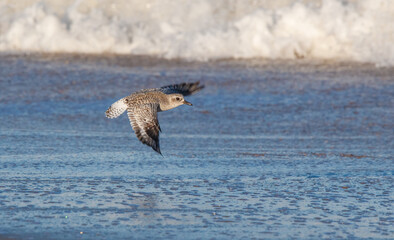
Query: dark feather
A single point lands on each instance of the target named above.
(185, 89)
(145, 124)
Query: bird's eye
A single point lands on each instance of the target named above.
(177, 98)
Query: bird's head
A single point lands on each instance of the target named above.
(177, 99)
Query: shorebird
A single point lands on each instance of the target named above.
(142, 108)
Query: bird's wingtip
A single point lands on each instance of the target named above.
(159, 152)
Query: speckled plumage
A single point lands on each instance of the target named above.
(142, 108)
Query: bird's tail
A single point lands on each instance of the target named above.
(116, 109)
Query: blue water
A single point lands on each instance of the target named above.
(276, 149)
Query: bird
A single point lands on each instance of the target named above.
(142, 108)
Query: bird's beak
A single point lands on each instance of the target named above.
(187, 103)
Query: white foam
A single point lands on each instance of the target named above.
(361, 30)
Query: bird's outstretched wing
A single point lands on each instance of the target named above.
(143, 119)
(183, 88)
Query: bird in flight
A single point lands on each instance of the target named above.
(142, 108)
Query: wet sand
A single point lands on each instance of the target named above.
(270, 149)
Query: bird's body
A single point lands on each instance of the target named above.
(150, 96)
(142, 108)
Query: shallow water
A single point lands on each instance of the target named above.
(270, 149)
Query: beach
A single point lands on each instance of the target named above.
(270, 149)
